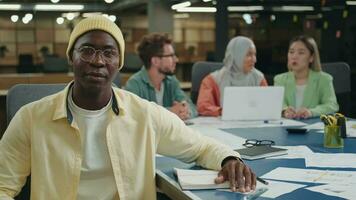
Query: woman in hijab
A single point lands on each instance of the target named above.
(238, 70)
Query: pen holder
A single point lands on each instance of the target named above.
(332, 137)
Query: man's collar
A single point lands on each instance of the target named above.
(63, 111)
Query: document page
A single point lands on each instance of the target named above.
(216, 122)
(235, 142)
(300, 151)
(317, 125)
(312, 175)
(341, 160)
(351, 128)
(337, 190)
(274, 189)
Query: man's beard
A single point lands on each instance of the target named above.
(167, 72)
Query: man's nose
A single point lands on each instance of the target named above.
(98, 59)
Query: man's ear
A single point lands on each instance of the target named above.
(154, 61)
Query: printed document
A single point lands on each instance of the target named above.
(274, 189)
(312, 175)
(337, 190)
(235, 142)
(216, 122)
(341, 160)
(300, 151)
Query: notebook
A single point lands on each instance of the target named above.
(198, 179)
(204, 179)
(252, 103)
(258, 152)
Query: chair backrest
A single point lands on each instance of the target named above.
(20, 95)
(117, 80)
(55, 64)
(26, 64)
(132, 62)
(199, 71)
(341, 74)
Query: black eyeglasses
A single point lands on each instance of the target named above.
(254, 142)
(88, 54)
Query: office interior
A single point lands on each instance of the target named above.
(34, 34)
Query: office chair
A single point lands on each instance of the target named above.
(132, 63)
(53, 64)
(199, 71)
(26, 64)
(341, 74)
(20, 95)
(117, 80)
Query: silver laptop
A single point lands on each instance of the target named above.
(252, 103)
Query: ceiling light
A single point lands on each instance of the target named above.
(28, 17)
(10, 6)
(54, 1)
(197, 9)
(244, 8)
(109, 1)
(351, 3)
(247, 18)
(14, 18)
(59, 7)
(70, 16)
(25, 20)
(293, 8)
(60, 20)
(207, 0)
(181, 5)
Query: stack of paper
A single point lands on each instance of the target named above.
(198, 179)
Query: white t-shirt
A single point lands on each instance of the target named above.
(299, 96)
(96, 176)
(159, 94)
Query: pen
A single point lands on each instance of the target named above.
(261, 180)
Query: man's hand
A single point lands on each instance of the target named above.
(303, 113)
(240, 176)
(289, 113)
(181, 109)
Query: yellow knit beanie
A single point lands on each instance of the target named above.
(97, 22)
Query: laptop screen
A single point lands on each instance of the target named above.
(252, 103)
